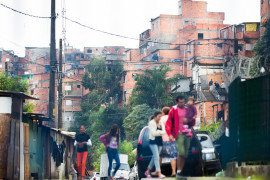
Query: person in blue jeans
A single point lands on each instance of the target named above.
(157, 129)
(111, 142)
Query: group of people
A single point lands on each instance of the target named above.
(216, 85)
(111, 142)
(169, 137)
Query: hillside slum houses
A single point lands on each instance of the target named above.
(28, 148)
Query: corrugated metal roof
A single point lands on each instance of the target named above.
(18, 94)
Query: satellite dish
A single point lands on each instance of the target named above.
(161, 57)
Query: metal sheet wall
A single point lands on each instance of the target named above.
(249, 115)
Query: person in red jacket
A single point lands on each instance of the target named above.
(174, 127)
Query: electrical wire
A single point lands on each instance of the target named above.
(26, 14)
(102, 31)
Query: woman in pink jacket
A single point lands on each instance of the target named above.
(111, 142)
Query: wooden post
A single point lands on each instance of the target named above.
(21, 143)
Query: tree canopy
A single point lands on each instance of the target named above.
(103, 81)
(13, 83)
(152, 88)
(136, 120)
(262, 48)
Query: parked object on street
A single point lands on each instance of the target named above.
(122, 173)
(134, 173)
(209, 155)
(194, 164)
(73, 173)
(95, 176)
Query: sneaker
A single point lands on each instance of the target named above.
(180, 177)
(147, 174)
(161, 176)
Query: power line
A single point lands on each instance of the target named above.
(126, 37)
(102, 31)
(26, 14)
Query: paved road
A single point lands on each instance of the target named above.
(198, 178)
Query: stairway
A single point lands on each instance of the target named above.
(208, 95)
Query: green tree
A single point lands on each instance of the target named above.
(29, 107)
(13, 83)
(262, 48)
(100, 122)
(136, 120)
(152, 88)
(103, 81)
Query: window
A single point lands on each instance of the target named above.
(240, 47)
(157, 25)
(139, 66)
(125, 96)
(200, 35)
(89, 51)
(220, 46)
(68, 102)
(7, 59)
(249, 47)
(189, 47)
(79, 86)
(193, 23)
(68, 88)
(224, 34)
(190, 66)
(186, 22)
(153, 27)
(32, 91)
(134, 75)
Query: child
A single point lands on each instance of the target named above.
(191, 114)
(111, 142)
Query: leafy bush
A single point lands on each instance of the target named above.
(13, 83)
(210, 128)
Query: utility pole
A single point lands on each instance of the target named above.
(52, 66)
(6, 69)
(60, 91)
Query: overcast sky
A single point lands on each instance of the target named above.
(125, 17)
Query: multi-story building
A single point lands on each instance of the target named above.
(197, 44)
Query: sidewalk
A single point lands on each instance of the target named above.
(198, 178)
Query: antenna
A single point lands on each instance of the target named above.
(63, 6)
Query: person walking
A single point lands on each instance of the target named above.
(217, 85)
(82, 140)
(157, 129)
(174, 127)
(169, 149)
(210, 83)
(111, 142)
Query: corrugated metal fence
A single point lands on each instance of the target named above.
(249, 116)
